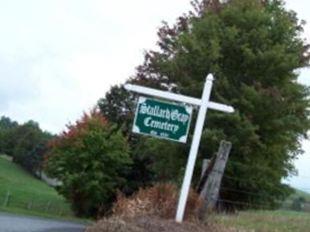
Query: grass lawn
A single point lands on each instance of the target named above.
(28, 194)
(266, 221)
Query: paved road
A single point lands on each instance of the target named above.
(13, 223)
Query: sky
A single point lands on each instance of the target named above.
(58, 57)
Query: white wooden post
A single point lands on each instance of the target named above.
(194, 148)
(204, 104)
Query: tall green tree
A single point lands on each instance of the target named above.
(253, 48)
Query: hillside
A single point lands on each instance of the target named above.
(20, 190)
(299, 193)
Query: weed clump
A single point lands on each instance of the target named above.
(159, 201)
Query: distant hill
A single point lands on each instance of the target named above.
(300, 193)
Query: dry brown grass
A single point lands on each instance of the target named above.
(160, 201)
(152, 210)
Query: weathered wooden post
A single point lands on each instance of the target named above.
(211, 187)
(205, 165)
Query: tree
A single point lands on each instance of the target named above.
(33, 160)
(118, 107)
(298, 203)
(25, 137)
(91, 160)
(24, 140)
(6, 125)
(253, 48)
(25, 143)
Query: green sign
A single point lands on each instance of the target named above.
(162, 119)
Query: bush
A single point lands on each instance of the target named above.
(90, 159)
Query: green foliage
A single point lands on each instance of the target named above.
(6, 125)
(117, 107)
(33, 160)
(253, 48)
(298, 203)
(91, 160)
(25, 143)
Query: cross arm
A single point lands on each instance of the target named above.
(163, 94)
(177, 97)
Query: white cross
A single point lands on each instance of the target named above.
(204, 104)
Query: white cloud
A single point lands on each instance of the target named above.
(60, 57)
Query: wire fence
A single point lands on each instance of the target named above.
(296, 204)
(35, 203)
(262, 200)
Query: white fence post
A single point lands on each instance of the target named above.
(7, 199)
